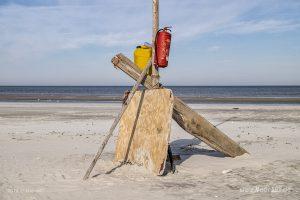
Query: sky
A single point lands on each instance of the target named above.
(214, 42)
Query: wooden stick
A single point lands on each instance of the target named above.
(155, 19)
(116, 121)
(186, 117)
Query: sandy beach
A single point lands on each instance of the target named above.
(47, 147)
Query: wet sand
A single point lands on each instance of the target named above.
(46, 148)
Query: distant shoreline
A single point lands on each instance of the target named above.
(97, 98)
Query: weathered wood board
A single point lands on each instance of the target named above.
(144, 130)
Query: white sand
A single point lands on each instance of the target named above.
(45, 149)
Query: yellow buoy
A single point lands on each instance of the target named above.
(142, 54)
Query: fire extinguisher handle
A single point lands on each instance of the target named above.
(167, 28)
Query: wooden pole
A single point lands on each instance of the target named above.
(116, 121)
(186, 117)
(155, 19)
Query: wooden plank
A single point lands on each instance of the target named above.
(187, 118)
(145, 130)
(116, 121)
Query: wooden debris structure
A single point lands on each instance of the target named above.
(145, 127)
(145, 130)
(187, 118)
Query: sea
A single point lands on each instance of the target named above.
(191, 94)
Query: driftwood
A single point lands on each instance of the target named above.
(187, 118)
(116, 121)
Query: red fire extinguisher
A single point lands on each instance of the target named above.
(162, 47)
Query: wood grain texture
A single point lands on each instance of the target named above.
(116, 121)
(187, 118)
(145, 130)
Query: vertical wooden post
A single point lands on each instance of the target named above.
(155, 19)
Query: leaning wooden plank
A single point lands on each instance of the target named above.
(144, 130)
(187, 118)
(116, 121)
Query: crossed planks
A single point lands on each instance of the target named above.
(187, 118)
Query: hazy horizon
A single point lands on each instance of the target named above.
(163, 85)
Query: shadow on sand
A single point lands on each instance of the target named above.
(188, 147)
(183, 147)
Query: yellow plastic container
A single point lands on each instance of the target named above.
(142, 54)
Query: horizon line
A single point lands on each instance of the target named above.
(164, 85)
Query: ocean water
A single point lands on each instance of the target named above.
(184, 91)
(107, 92)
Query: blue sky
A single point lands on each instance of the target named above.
(215, 42)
